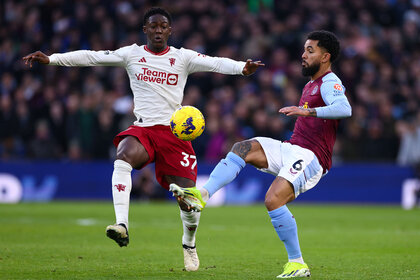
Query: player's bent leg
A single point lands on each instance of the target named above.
(281, 192)
(251, 152)
(121, 188)
(248, 151)
(295, 270)
(130, 152)
(190, 219)
(119, 233)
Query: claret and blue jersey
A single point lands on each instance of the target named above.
(327, 96)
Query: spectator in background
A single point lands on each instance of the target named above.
(57, 124)
(145, 186)
(8, 124)
(409, 132)
(105, 130)
(43, 146)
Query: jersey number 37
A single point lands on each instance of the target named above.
(188, 160)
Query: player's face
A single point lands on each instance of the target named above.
(157, 30)
(311, 58)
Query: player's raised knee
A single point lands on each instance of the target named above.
(271, 201)
(132, 151)
(279, 194)
(242, 148)
(251, 152)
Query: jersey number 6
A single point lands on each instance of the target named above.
(298, 165)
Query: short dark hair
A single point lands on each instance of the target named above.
(156, 11)
(328, 41)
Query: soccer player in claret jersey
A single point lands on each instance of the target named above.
(299, 163)
(157, 74)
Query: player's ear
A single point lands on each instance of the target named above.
(326, 57)
(144, 29)
(170, 30)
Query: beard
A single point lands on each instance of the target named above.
(311, 70)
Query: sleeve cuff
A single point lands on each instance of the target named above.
(242, 65)
(319, 112)
(52, 59)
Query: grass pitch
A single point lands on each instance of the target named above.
(66, 240)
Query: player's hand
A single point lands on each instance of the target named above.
(298, 111)
(37, 56)
(251, 66)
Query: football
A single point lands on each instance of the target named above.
(187, 123)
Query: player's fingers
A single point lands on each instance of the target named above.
(27, 56)
(31, 55)
(27, 59)
(286, 112)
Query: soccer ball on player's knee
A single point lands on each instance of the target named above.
(187, 123)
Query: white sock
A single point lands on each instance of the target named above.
(298, 260)
(121, 188)
(190, 222)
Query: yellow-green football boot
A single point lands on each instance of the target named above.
(191, 196)
(295, 270)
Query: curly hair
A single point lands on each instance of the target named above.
(156, 11)
(328, 41)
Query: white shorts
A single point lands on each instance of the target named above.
(297, 165)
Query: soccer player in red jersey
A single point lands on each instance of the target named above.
(158, 74)
(299, 163)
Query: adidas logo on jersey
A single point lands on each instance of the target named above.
(142, 60)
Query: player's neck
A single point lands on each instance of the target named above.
(156, 50)
(321, 72)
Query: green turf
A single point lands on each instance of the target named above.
(47, 241)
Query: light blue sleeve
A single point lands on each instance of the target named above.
(338, 106)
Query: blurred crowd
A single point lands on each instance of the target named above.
(49, 112)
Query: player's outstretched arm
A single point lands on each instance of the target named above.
(37, 56)
(251, 66)
(298, 111)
